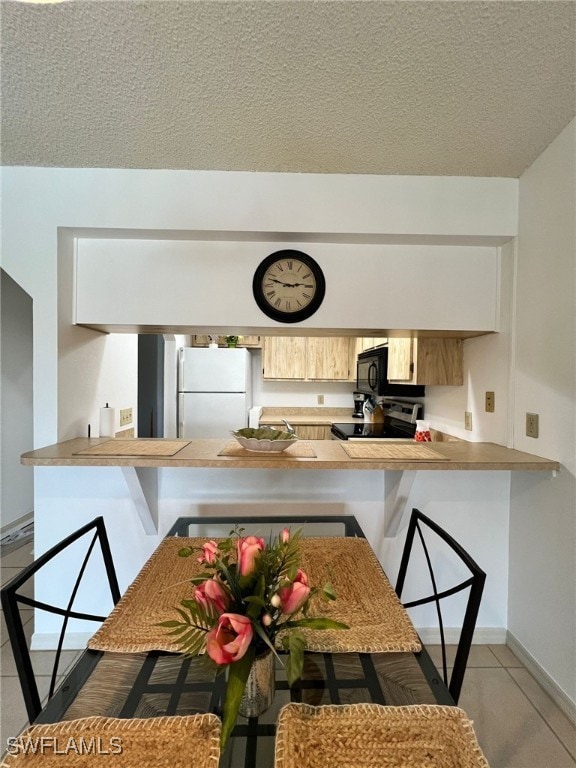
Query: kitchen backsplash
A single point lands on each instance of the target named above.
(303, 394)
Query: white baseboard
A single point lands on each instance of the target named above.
(482, 635)
(558, 696)
(48, 641)
(16, 525)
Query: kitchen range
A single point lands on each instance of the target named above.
(399, 423)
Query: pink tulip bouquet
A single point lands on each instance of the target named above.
(249, 592)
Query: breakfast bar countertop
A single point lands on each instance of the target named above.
(312, 454)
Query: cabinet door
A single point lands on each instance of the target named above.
(284, 357)
(354, 349)
(328, 358)
(313, 432)
(433, 361)
(201, 341)
(400, 361)
(439, 362)
(250, 341)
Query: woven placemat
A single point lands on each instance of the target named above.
(135, 447)
(366, 600)
(373, 736)
(398, 451)
(300, 450)
(172, 742)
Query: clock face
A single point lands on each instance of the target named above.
(289, 286)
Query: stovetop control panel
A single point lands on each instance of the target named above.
(401, 409)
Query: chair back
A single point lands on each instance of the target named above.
(12, 598)
(424, 526)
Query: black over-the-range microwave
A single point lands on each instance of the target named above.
(372, 376)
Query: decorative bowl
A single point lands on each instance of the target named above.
(264, 439)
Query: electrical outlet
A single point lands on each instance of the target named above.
(125, 416)
(467, 420)
(489, 405)
(320, 399)
(531, 425)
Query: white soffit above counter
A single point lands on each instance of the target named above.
(175, 284)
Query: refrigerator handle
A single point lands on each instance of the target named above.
(179, 417)
(180, 371)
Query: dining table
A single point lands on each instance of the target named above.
(128, 672)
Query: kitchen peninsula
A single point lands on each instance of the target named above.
(466, 486)
(327, 454)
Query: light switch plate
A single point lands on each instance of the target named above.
(532, 425)
(467, 420)
(125, 416)
(489, 404)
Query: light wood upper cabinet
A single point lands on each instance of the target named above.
(434, 361)
(369, 342)
(201, 341)
(362, 343)
(243, 341)
(400, 364)
(307, 359)
(250, 341)
(328, 358)
(284, 357)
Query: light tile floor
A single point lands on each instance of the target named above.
(517, 724)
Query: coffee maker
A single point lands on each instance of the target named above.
(359, 398)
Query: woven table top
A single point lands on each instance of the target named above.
(98, 742)
(365, 600)
(374, 736)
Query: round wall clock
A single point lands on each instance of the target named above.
(289, 286)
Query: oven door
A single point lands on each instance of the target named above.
(337, 432)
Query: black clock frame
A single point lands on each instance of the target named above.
(273, 312)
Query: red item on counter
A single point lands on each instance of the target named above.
(422, 434)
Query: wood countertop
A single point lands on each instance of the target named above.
(328, 454)
(307, 416)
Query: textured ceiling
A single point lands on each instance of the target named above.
(386, 87)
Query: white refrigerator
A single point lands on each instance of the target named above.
(214, 391)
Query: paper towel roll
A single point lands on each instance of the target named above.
(107, 421)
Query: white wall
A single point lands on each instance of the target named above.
(488, 366)
(542, 615)
(16, 422)
(93, 368)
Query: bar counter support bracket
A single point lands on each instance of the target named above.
(142, 483)
(396, 492)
